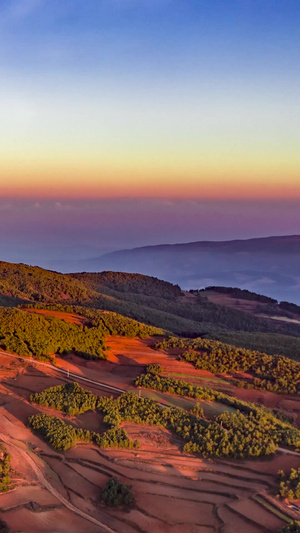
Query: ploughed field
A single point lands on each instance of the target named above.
(72, 318)
(174, 491)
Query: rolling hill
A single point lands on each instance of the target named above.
(157, 303)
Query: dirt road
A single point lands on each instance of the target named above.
(45, 483)
(65, 372)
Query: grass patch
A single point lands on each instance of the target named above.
(212, 409)
(217, 380)
(167, 399)
(272, 508)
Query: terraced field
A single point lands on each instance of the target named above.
(174, 492)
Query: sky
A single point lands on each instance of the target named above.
(125, 103)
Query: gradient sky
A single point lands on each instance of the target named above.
(150, 98)
(132, 122)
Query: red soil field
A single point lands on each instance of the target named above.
(174, 492)
(73, 318)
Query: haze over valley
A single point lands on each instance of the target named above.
(217, 240)
(269, 265)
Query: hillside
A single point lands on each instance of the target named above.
(102, 399)
(156, 303)
(189, 445)
(36, 284)
(125, 283)
(265, 265)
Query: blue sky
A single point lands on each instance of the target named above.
(134, 91)
(219, 39)
(154, 98)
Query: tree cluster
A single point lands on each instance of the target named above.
(57, 433)
(30, 334)
(107, 322)
(252, 430)
(4, 469)
(36, 284)
(117, 324)
(289, 484)
(271, 372)
(70, 398)
(114, 438)
(129, 283)
(270, 343)
(63, 436)
(115, 494)
(238, 435)
(154, 368)
(175, 386)
(243, 294)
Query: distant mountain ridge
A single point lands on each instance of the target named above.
(268, 265)
(286, 243)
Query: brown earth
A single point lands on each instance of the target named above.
(250, 306)
(73, 318)
(254, 307)
(174, 492)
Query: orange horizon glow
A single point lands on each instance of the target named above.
(146, 100)
(151, 183)
(221, 170)
(213, 191)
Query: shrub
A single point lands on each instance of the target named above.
(289, 485)
(116, 494)
(154, 368)
(292, 527)
(4, 469)
(70, 398)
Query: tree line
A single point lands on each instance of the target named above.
(251, 431)
(124, 282)
(4, 469)
(41, 336)
(235, 292)
(109, 322)
(32, 334)
(62, 436)
(271, 372)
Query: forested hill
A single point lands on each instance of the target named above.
(151, 301)
(128, 283)
(36, 284)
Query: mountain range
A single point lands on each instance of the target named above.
(269, 265)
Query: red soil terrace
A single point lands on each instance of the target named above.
(175, 492)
